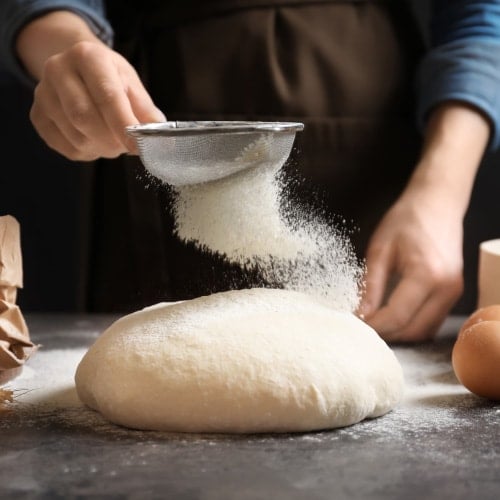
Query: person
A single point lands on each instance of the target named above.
(345, 68)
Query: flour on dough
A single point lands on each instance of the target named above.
(245, 361)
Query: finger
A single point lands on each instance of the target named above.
(56, 140)
(64, 98)
(430, 316)
(425, 324)
(142, 104)
(108, 94)
(379, 264)
(402, 306)
(77, 110)
(47, 109)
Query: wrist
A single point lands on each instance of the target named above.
(49, 35)
(456, 138)
(458, 132)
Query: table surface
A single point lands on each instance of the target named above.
(440, 442)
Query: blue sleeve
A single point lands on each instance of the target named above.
(464, 60)
(14, 14)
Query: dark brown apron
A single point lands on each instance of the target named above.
(345, 69)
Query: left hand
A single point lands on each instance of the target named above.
(420, 242)
(420, 238)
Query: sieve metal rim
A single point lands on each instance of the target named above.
(187, 128)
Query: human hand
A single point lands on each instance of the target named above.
(420, 241)
(87, 93)
(86, 97)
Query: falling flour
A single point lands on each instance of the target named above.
(247, 219)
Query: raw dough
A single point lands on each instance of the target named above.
(257, 360)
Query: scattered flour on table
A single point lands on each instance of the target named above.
(45, 394)
(247, 219)
(48, 378)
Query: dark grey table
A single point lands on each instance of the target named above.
(441, 443)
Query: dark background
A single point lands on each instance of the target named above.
(44, 192)
(49, 197)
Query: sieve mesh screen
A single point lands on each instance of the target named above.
(197, 152)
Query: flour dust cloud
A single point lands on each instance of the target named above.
(249, 221)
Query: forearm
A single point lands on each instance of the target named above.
(49, 35)
(455, 140)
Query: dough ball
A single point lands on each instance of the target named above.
(245, 361)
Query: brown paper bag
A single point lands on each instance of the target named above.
(15, 344)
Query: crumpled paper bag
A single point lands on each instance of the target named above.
(15, 344)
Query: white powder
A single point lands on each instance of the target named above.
(245, 218)
(47, 378)
(434, 401)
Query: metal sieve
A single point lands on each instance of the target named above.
(183, 152)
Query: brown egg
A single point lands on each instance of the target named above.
(488, 313)
(476, 358)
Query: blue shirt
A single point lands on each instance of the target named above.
(463, 61)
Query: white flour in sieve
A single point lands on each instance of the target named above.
(244, 219)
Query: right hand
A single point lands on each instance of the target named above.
(85, 98)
